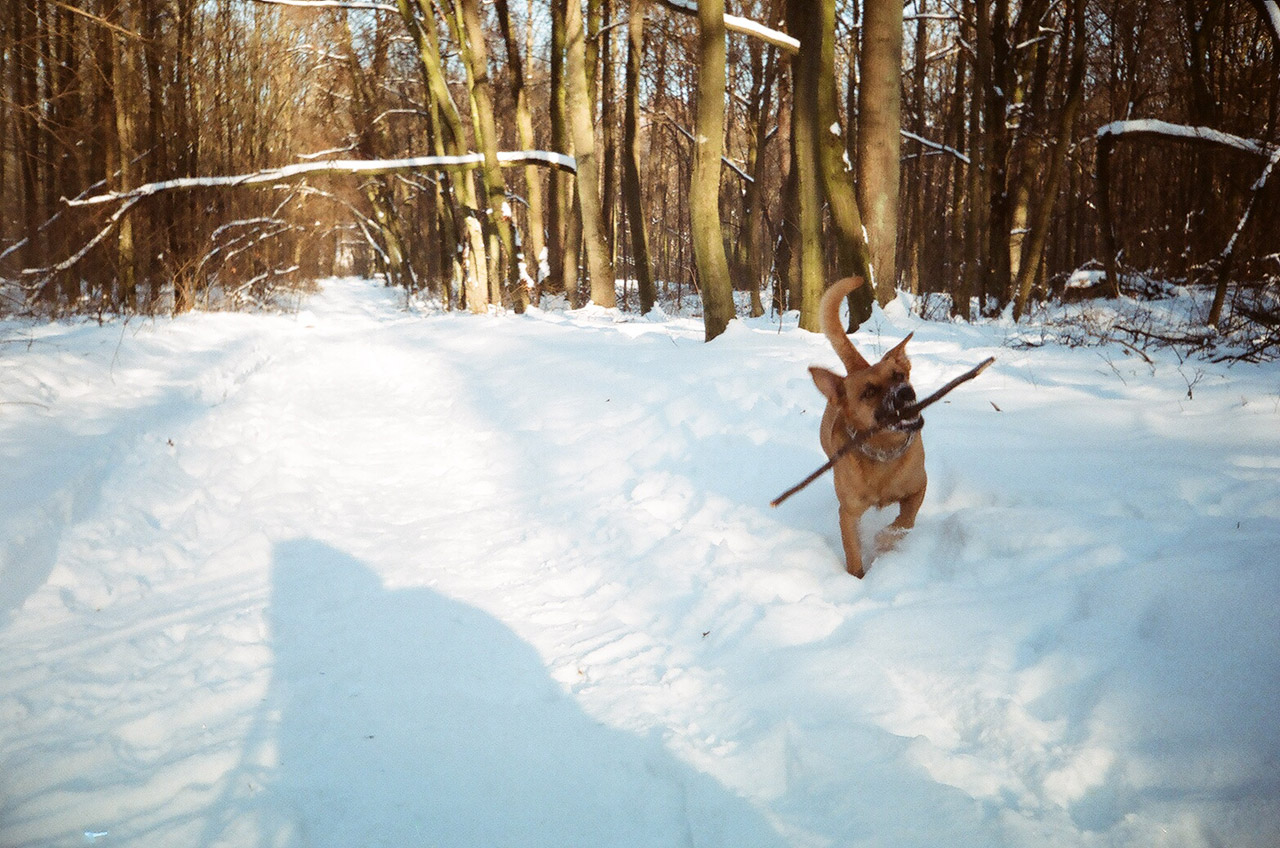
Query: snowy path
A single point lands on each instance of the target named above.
(364, 577)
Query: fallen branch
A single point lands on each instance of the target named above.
(901, 415)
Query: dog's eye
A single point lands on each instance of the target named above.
(899, 376)
(870, 392)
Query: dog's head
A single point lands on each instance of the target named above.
(873, 395)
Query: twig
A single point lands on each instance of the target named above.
(901, 415)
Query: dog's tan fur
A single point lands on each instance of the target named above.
(864, 479)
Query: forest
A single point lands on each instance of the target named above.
(160, 155)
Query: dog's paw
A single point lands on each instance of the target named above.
(887, 539)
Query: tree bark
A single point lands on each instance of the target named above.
(978, 213)
(535, 235)
(126, 82)
(475, 57)
(27, 141)
(917, 187)
(837, 173)
(631, 185)
(605, 89)
(880, 138)
(764, 67)
(996, 132)
(562, 255)
(427, 43)
(1110, 253)
(704, 188)
(805, 161)
(821, 158)
(1033, 247)
(599, 262)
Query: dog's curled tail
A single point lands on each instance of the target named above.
(829, 321)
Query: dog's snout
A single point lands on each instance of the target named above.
(902, 395)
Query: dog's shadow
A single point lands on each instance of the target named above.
(402, 717)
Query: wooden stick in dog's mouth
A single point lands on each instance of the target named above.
(907, 413)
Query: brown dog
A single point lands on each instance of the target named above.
(888, 467)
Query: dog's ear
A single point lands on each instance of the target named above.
(829, 383)
(900, 349)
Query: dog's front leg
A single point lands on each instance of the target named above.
(850, 518)
(907, 509)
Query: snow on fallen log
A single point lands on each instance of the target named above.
(354, 167)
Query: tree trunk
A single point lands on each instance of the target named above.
(805, 160)
(816, 129)
(186, 160)
(996, 132)
(978, 218)
(535, 234)
(7, 21)
(27, 141)
(599, 263)
(562, 271)
(1110, 253)
(608, 134)
(880, 138)
(426, 41)
(66, 177)
(475, 56)
(631, 185)
(126, 82)
(1033, 248)
(916, 182)
(704, 187)
(759, 109)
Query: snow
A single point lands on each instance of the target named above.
(364, 575)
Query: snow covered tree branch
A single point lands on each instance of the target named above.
(353, 167)
(1181, 132)
(354, 5)
(742, 26)
(933, 145)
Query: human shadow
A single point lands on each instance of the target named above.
(401, 717)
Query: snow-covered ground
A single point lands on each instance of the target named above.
(361, 576)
